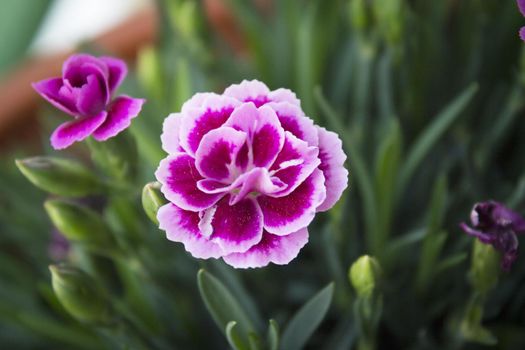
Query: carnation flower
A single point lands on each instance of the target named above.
(495, 224)
(245, 175)
(85, 92)
(521, 6)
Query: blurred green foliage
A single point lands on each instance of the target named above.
(427, 98)
(19, 22)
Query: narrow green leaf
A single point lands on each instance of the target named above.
(451, 262)
(233, 337)
(273, 335)
(432, 133)
(223, 306)
(19, 21)
(432, 246)
(307, 319)
(357, 164)
(386, 171)
(438, 203)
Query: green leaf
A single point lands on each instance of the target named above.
(433, 132)
(307, 319)
(357, 164)
(222, 305)
(116, 157)
(386, 171)
(432, 246)
(438, 204)
(19, 21)
(434, 240)
(233, 337)
(451, 261)
(273, 335)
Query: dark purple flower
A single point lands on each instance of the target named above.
(85, 92)
(59, 246)
(521, 6)
(495, 224)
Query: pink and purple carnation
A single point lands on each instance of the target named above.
(245, 175)
(85, 91)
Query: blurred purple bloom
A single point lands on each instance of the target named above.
(58, 247)
(246, 173)
(521, 6)
(85, 92)
(495, 224)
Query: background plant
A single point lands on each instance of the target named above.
(427, 97)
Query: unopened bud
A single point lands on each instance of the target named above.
(79, 295)
(364, 275)
(59, 176)
(152, 200)
(77, 222)
(485, 267)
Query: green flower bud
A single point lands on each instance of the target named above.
(77, 222)
(485, 267)
(79, 295)
(364, 275)
(59, 176)
(152, 200)
(116, 157)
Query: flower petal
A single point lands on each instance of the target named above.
(170, 133)
(256, 180)
(249, 91)
(91, 96)
(292, 119)
(522, 33)
(50, 89)
(290, 213)
(197, 122)
(117, 71)
(238, 227)
(77, 130)
(87, 77)
(332, 159)
(521, 6)
(120, 113)
(217, 152)
(258, 93)
(182, 226)
(275, 249)
(264, 132)
(482, 236)
(197, 100)
(178, 175)
(79, 66)
(295, 163)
